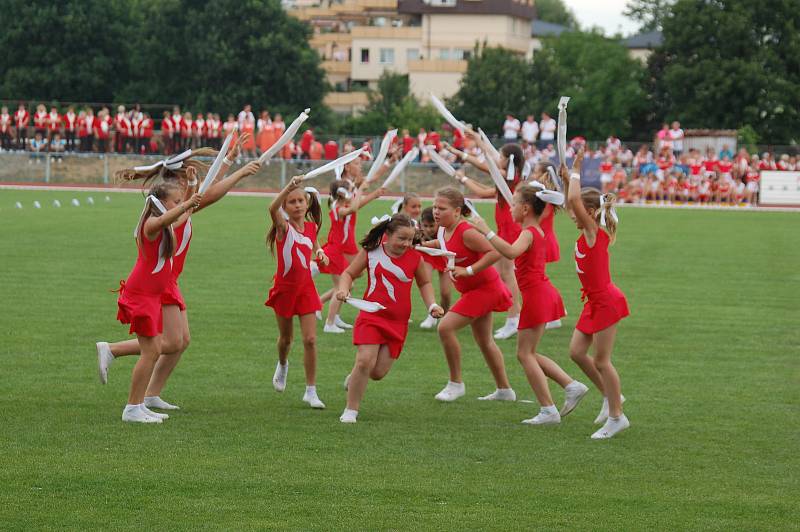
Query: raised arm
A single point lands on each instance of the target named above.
(575, 202)
(509, 251)
(274, 208)
(155, 224)
(216, 191)
(480, 190)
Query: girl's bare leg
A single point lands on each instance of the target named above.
(603, 345)
(308, 328)
(143, 370)
(449, 325)
(175, 340)
(578, 351)
(482, 332)
(527, 339)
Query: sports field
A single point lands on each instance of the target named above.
(708, 362)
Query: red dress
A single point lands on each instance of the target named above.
(546, 223)
(439, 263)
(350, 247)
(293, 292)
(605, 303)
(183, 237)
(139, 302)
(481, 293)
(333, 247)
(541, 302)
(389, 283)
(507, 228)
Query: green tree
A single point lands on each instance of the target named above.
(605, 84)
(733, 63)
(68, 50)
(557, 12)
(650, 14)
(497, 82)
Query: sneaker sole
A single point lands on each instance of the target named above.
(526, 422)
(565, 411)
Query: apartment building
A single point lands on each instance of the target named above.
(430, 40)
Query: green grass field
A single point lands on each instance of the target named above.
(708, 361)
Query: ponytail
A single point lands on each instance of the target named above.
(161, 191)
(604, 212)
(339, 189)
(149, 173)
(375, 236)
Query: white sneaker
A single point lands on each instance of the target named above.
(603, 415)
(429, 323)
(135, 414)
(312, 400)
(612, 427)
(346, 382)
(104, 360)
(552, 325)
(156, 401)
(544, 418)
(279, 378)
(573, 393)
(349, 416)
(340, 323)
(332, 328)
(153, 414)
(500, 394)
(451, 392)
(506, 331)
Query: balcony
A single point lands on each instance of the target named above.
(319, 40)
(437, 65)
(336, 67)
(387, 32)
(346, 99)
(388, 5)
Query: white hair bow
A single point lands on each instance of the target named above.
(396, 205)
(472, 210)
(526, 170)
(147, 201)
(548, 196)
(611, 211)
(343, 192)
(375, 220)
(170, 163)
(338, 171)
(312, 190)
(511, 171)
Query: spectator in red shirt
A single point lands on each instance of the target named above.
(6, 121)
(366, 155)
(53, 123)
(21, 121)
(145, 133)
(167, 130)
(316, 151)
(435, 140)
(122, 130)
(89, 124)
(331, 150)
(408, 142)
(40, 120)
(177, 124)
(458, 139)
(103, 127)
(305, 143)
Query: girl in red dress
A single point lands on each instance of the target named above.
(430, 230)
(392, 263)
(506, 227)
(594, 215)
(347, 196)
(140, 295)
(482, 292)
(541, 302)
(296, 220)
(176, 323)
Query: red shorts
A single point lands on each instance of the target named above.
(369, 330)
(172, 296)
(492, 297)
(540, 304)
(439, 263)
(337, 263)
(293, 300)
(602, 310)
(142, 311)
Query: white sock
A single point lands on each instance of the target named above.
(573, 384)
(311, 390)
(348, 411)
(550, 409)
(129, 407)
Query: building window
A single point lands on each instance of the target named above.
(412, 54)
(441, 3)
(444, 54)
(387, 56)
(365, 55)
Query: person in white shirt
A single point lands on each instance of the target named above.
(246, 115)
(530, 130)
(613, 144)
(511, 129)
(547, 131)
(676, 134)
